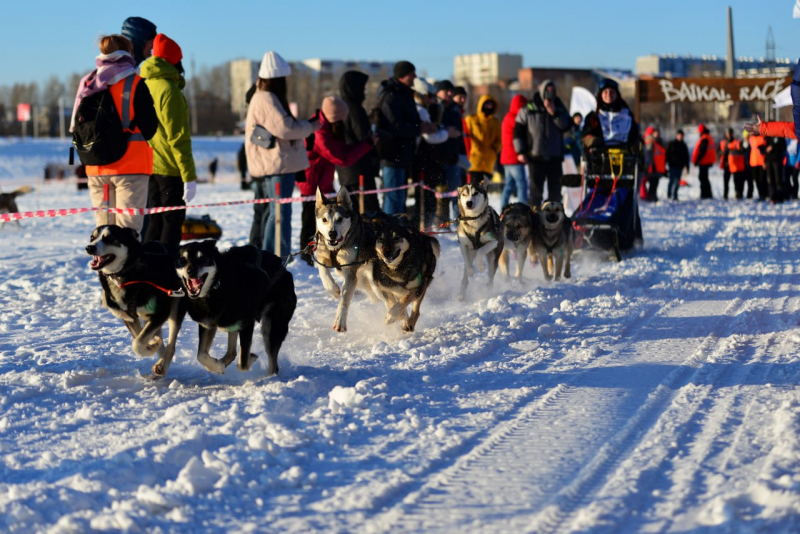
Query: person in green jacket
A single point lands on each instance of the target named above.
(174, 179)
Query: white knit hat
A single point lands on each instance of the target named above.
(273, 66)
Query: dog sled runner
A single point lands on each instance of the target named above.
(608, 216)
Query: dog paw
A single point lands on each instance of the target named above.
(340, 326)
(160, 369)
(144, 350)
(480, 266)
(250, 362)
(407, 326)
(211, 365)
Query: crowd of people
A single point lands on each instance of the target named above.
(417, 132)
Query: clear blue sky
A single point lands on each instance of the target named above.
(41, 38)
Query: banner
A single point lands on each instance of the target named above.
(711, 89)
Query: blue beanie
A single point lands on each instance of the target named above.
(138, 31)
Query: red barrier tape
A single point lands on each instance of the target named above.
(8, 217)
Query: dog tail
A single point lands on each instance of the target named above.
(22, 190)
(436, 247)
(504, 259)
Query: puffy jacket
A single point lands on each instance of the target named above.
(352, 87)
(677, 155)
(544, 131)
(138, 159)
(508, 156)
(172, 144)
(399, 117)
(485, 135)
(325, 151)
(289, 153)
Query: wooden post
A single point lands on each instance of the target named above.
(277, 208)
(421, 202)
(361, 194)
(106, 203)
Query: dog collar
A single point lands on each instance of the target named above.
(176, 293)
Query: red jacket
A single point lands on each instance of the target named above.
(777, 129)
(326, 153)
(508, 156)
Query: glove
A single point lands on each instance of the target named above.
(189, 190)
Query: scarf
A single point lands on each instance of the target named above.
(111, 68)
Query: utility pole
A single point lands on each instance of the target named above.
(730, 59)
(61, 133)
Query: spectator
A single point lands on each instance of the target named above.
(736, 164)
(173, 182)
(486, 142)
(241, 166)
(775, 151)
(543, 121)
(325, 149)
(460, 98)
(398, 116)
(792, 169)
(141, 33)
(678, 160)
(655, 163)
(452, 149)
(758, 150)
(572, 140)
(426, 166)
(748, 169)
(724, 158)
(276, 157)
(212, 170)
(352, 89)
(127, 178)
(514, 170)
(703, 157)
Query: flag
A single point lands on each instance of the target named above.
(796, 11)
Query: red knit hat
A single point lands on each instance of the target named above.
(166, 48)
(701, 128)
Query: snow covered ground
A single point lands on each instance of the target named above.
(655, 395)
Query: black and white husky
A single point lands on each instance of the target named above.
(232, 291)
(480, 233)
(346, 244)
(139, 282)
(404, 269)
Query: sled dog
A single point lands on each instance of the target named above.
(519, 222)
(139, 282)
(480, 233)
(555, 241)
(8, 201)
(346, 244)
(232, 291)
(404, 269)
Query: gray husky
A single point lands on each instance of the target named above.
(346, 244)
(480, 233)
(404, 268)
(555, 241)
(519, 227)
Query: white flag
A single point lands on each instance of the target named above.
(583, 101)
(796, 11)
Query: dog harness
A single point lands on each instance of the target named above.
(476, 239)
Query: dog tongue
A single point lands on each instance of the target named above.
(96, 260)
(195, 284)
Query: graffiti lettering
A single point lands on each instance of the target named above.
(693, 92)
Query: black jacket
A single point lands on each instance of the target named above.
(775, 155)
(398, 116)
(448, 152)
(538, 135)
(352, 87)
(677, 155)
(144, 111)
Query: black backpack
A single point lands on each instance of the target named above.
(99, 135)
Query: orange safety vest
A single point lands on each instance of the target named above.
(138, 159)
(722, 153)
(710, 157)
(736, 156)
(659, 158)
(756, 157)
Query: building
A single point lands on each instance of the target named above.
(486, 68)
(675, 66)
(310, 82)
